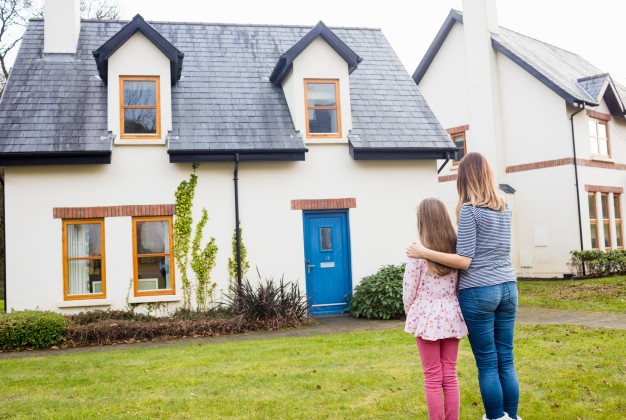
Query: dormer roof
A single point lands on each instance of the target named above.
(285, 62)
(137, 24)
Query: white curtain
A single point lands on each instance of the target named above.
(78, 270)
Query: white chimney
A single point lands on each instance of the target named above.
(479, 20)
(61, 20)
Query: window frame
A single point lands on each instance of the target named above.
(597, 139)
(593, 222)
(337, 108)
(606, 222)
(170, 291)
(619, 227)
(156, 107)
(66, 259)
(452, 136)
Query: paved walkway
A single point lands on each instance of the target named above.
(344, 324)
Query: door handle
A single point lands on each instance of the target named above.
(308, 266)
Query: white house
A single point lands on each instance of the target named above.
(550, 123)
(317, 139)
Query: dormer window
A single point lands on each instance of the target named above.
(323, 117)
(140, 116)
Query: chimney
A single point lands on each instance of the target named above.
(479, 20)
(61, 26)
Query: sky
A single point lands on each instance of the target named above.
(591, 29)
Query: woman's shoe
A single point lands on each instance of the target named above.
(505, 417)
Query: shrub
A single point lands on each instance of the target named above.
(379, 296)
(598, 263)
(268, 301)
(92, 317)
(38, 329)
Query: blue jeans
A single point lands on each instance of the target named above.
(489, 313)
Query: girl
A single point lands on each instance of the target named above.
(488, 291)
(432, 311)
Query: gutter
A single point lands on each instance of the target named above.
(580, 223)
(237, 231)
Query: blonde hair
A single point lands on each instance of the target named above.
(436, 231)
(475, 184)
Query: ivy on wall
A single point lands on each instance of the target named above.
(232, 262)
(202, 262)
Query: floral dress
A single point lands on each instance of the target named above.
(430, 303)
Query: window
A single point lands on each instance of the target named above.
(599, 137)
(606, 227)
(619, 233)
(152, 256)
(459, 141)
(322, 108)
(139, 107)
(593, 220)
(83, 259)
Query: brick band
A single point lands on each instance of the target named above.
(604, 189)
(599, 115)
(113, 211)
(324, 204)
(446, 178)
(564, 161)
(458, 129)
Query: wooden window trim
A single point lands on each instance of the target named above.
(172, 290)
(619, 227)
(337, 108)
(66, 295)
(593, 222)
(607, 221)
(452, 136)
(157, 107)
(608, 136)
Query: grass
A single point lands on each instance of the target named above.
(601, 295)
(565, 372)
(1, 305)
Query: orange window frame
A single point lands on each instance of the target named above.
(308, 108)
(66, 260)
(604, 199)
(594, 222)
(452, 137)
(608, 136)
(156, 107)
(618, 219)
(171, 290)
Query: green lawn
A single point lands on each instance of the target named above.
(565, 372)
(602, 295)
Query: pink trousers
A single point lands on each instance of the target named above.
(439, 364)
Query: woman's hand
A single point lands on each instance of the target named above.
(416, 250)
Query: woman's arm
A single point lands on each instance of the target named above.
(417, 250)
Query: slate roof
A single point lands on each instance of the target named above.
(558, 69)
(223, 103)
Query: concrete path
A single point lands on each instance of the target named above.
(344, 324)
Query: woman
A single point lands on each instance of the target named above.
(487, 283)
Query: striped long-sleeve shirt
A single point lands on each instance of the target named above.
(484, 235)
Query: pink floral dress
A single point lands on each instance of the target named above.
(430, 303)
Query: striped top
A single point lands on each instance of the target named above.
(484, 235)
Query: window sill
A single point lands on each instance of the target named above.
(156, 298)
(139, 142)
(602, 158)
(79, 303)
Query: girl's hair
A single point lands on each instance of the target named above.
(475, 184)
(436, 231)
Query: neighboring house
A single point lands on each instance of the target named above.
(550, 123)
(319, 137)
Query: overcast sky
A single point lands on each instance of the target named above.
(593, 29)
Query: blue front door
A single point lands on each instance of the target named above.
(327, 261)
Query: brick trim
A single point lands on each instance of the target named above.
(564, 161)
(113, 211)
(457, 129)
(446, 178)
(324, 204)
(604, 189)
(599, 115)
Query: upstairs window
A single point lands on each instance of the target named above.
(323, 117)
(140, 116)
(459, 141)
(599, 137)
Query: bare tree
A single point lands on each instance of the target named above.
(14, 15)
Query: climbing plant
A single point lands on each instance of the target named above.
(182, 232)
(202, 262)
(232, 262)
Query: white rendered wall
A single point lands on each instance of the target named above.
(318, 61)
(61, 26)
(380, 226)
(139, 57)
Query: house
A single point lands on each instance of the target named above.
(550, 123)
(316, 139)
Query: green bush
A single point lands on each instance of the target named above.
(38, 329)
(379, 296)
(598, 263)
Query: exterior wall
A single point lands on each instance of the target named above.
(318, 61)
(139, 57)
(381, 225)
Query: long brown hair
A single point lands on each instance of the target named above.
(436, 231)
(475, 184)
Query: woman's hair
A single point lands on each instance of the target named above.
(475, 184)
(436, 231)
